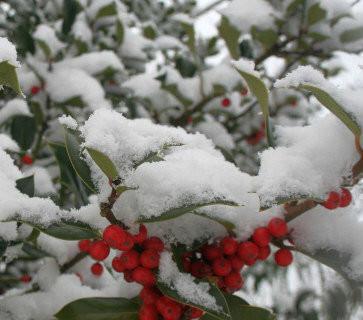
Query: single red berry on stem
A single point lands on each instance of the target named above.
(236, 262)
(118, 265)
(25, 278)
(149, 295)
(169, 309)
(248, 251)
(150, 258)
(128, 276)
(221, 267)
(263, 253)
(113, 234)
(142, 235)
(283, 257)
(154, 243)
(27, 159)
(211, 252)
(233, 281)
(144, 276)
(84, 245)
(130, 259)
(226, 102)
(99, 250)
(35, 90)
(148, 312)
(97, 269)
(261, 237)
(333, 201)
(229, 245)
(345, 198)
(277, 227)
(195, 313)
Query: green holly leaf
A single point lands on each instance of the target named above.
(230, 35)
(23, 130)
(104, 163)
(315, 14)
(26, 185)
(351, 35)
(9, 77)
(99, 309)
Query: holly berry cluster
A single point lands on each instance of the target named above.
(223, 261)
(138, 262)
(338, 199)
(226, 102)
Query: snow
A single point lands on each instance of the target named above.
(42, 181)
(68, 121)
(134, 45)
(14, 107)
(247, 66)
(166, 42)
(65, 84)
(81, 30)
(6, 143)
(8, 52)
(302, 75)
(93, 63)
(304, 165)
(184, 284)
(244, 14)
(47, 35)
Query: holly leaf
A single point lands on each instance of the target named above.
(225, 223)
(9, 77)
(26, 185)
(230, 35)
(73, 147)
(351, 35)
(330, 103)
(259, 89)
(70, 10)
(99, 309)
(67, 230)
(108, 10)
(104, 163)
(23, 130)
(222, 313)
(179, 211)
(315, 14)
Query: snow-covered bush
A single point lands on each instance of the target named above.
(147, 170)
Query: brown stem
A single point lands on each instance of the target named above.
(72, 262)
(106, 209)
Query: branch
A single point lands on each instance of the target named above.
(208, 8)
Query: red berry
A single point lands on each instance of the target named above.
(236, 262)
(244, 91)
(345, 198)
(211, 252)
(248, 251)
(233, 281)
(35, 90)
(130, 259)
(169, 309)
(128, 276)
(277, 227)
(225, 102)
(186, 261)
(118, 265)
(195, 313)
(261, 237)
(263, 253)
(149, 295)
(99, 250)
(26, 159)
(150, 259)
(148, 312)
(128, 243)
(154, 243)
(142, 235)
(220, 283)
(97, 269)
(333, 201)
(114, 235)
(84, 245)
(190, 120)
(283, 257)
(229, 245)
(25, 278)
(256, 137)
(199, 269)
(144, 276)
(250, 262)
(221, 267)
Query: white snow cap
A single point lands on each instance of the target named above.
(8, 52)
(46, 34)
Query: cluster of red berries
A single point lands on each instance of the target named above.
(224, 260)
(338, 199)
(138, 262)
